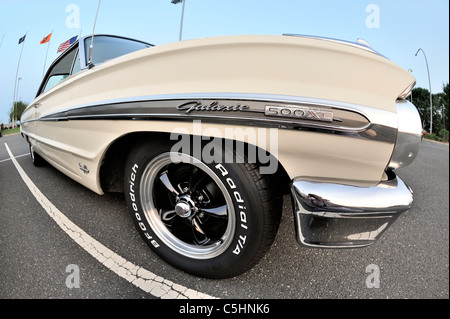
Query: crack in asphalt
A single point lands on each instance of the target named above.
(136, 275)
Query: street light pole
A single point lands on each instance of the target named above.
(182, 15)
(429, 84)
(16, 94)
(18, 84)
(17, 73)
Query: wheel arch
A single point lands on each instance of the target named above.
(114, 158)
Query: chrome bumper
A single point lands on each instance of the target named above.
(339, 216)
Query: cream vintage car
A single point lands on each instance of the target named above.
(204, 137)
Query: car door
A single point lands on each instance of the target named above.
(49, 136)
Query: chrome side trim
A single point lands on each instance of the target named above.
(246, 109)
(375, 116)
(374, 124)
(339, 216)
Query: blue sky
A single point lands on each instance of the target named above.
(395, 28)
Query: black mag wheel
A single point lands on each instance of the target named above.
(187, 206)
(214, 220)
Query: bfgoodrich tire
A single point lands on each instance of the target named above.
(214, 220)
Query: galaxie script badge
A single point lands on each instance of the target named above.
(214, 106)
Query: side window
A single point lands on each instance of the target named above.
(53, 80)
(59, 71)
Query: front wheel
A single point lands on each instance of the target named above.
(214, 220)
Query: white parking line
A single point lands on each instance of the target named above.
(138, 276)
(8, 159)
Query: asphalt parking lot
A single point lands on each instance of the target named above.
(39, 258)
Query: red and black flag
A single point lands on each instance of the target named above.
(46, 39)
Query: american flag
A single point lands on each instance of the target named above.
(63, 46)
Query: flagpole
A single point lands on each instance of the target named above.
(182, 18)
(48, 47)
(15, 82)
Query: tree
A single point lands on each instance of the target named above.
(445, 104)
(17, 110)
(421, 99)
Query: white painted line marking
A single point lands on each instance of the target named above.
(8, 159)
(138, 276)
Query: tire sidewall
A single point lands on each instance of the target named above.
(241, 252)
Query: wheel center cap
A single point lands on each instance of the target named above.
(183, 209)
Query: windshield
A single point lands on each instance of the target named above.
(106, 48)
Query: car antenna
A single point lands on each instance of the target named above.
(90, 64)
